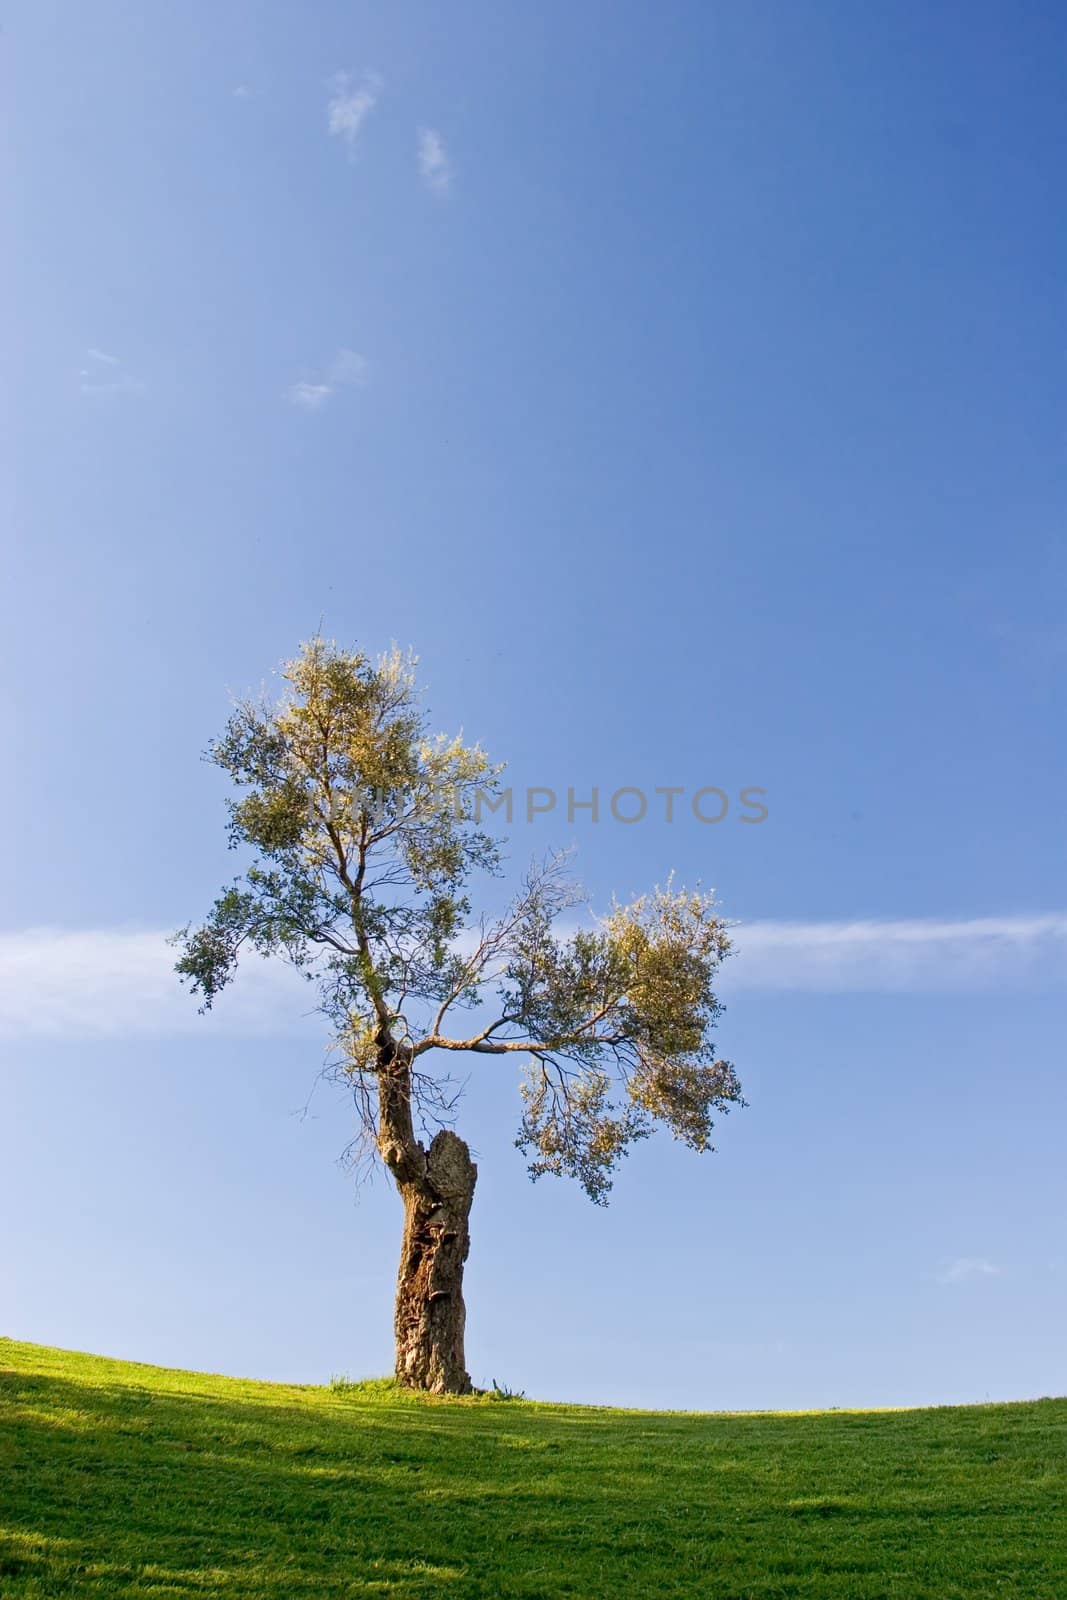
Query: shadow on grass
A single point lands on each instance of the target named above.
(121, 1488)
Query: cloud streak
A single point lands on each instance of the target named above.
(907, 956)
(966, 1268)
(105, 374)
(120, 983)
(346, 369)
(435, 167)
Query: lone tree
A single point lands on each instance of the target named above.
(363, 833)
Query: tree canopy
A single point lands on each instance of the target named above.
(362, 833)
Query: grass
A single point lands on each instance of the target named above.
(123, 1480)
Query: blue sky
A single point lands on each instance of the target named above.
(686, 385)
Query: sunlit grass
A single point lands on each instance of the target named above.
(127, 1480)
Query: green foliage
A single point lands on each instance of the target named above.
(626, 1015)
(361, 832)
(123, 1482)
(360, 835)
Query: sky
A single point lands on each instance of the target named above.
(685, 384)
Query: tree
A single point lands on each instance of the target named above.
(363, 833)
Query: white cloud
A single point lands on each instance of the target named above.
(117, 983)
(112, 983)
(350, 105)
(347, 368)
(915, 955)
(105, 375)
(434, 164)
(310, 395)
(966, 1267)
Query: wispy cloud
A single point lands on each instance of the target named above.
(109, 982)
(965, 1268)
(350, 104)
(105, 374)
(114, 983)
(310, 395)
(347, 368)
(434, 164)
(900, 956)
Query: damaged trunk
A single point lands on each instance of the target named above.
(430, 1314)
(437, 1187)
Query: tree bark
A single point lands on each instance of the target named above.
(437, 1187)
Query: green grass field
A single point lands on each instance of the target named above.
(128, 1480)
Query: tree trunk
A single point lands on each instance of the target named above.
(437, 1187)
(430, 1314)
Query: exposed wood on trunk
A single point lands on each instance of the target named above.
(437, 1187)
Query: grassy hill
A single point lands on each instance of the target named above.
(128, 1480)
